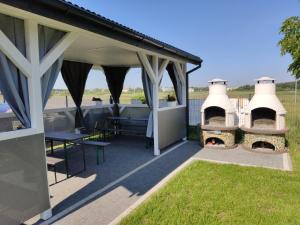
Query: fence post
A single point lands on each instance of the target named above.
(67, 104)
(296, 90)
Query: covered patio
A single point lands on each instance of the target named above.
(37, 41)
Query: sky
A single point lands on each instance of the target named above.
(237, 39)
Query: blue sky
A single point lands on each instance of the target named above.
(237, 39)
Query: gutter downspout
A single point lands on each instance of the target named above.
(187, 115)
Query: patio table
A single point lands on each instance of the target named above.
(65, 137)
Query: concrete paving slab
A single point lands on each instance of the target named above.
(245, 157)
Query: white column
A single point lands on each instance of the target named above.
(153, 73)
(34, 86)
(34, 81)
(155, 105)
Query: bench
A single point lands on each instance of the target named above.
(118, 125)
(52, 162)
(124, 130)
(99, 147)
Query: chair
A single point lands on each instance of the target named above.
(100, 128)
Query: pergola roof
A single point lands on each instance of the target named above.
(75, 15)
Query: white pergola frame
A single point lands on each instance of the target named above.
(34, 68)
(155, 74)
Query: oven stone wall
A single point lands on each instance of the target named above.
(227, 136)
(278, 140)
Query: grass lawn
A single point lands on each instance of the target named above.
(206, 193)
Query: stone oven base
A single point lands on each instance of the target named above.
(277, 140)
(228, 137)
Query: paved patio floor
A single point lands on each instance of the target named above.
(130, 170)
(103, 192)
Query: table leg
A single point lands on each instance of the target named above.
(52, 150)
(66, 159)
(55, 177)
(97, 155)
(115, 127)
(103, 156)
(83, 155)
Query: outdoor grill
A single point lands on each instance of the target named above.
(265, 118)
(218, 117)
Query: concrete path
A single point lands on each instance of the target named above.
(243, 157)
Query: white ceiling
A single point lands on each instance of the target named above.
(100, 51)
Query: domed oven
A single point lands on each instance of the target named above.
(264, 125)
(218, 117)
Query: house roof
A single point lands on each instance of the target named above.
(75, 15)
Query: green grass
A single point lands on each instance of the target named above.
(206, 193)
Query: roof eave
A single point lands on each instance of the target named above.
(76, 16)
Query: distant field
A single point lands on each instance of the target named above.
(58, 100)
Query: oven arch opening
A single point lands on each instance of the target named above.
(214, 116)
(263, 145)
(263, 118)
(214, 141)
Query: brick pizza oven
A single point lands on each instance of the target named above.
(264, 125)
(218, 117)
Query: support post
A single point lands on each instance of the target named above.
(155, 105)
(154, 74)
(34, 81)
(34, 87)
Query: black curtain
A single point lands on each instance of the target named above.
(75, 75)
(115, 77)
(171, 72)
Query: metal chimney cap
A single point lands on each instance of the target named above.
(217, 80)
(265, 78)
